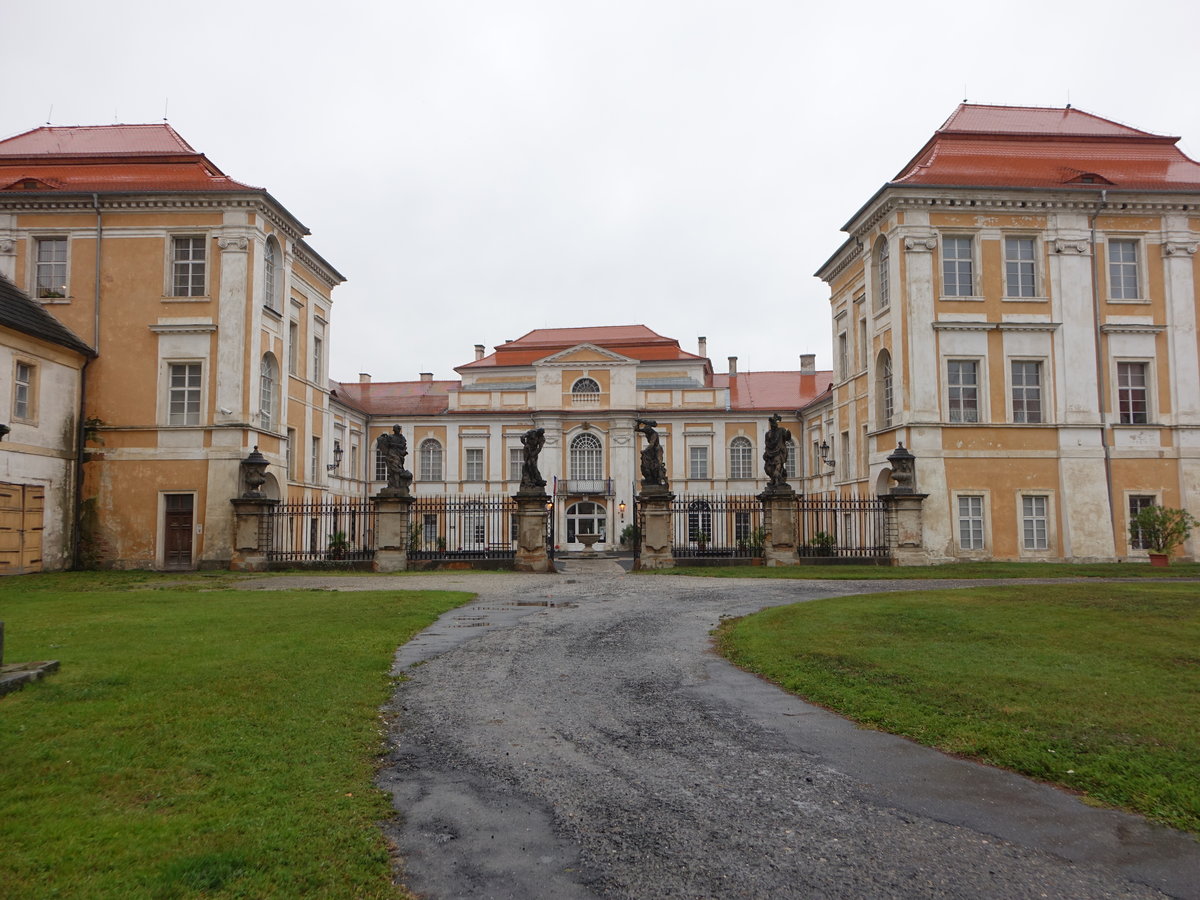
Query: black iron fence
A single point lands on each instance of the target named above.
(328, 531)
(837, 526)
(716, 525)
(463, 527)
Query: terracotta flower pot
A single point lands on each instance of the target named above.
(1160, 560)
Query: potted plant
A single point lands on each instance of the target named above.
(1161, 529)
(702, 539)
(823, 542)
(338, 546)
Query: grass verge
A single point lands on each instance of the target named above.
(1095, 687)
(947, 571)
(198, 741)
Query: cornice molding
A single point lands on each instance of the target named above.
(1132, 329)
(965, 326)
(1179, 248)
(314, 265)
(1030, 326)
(233, 244)
(196, 328)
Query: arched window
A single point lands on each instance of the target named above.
(883, 284)
(586, 517)
(884, 390)
(266, 398)
(431, 460)
(270, 272)
(585, 386)
(587, 458)
(741, 458)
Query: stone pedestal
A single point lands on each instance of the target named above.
(392, 514)
(531, 533)
(250, 537)
(656, 529)
(779, 520)
(909, 548)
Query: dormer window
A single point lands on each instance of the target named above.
(585, 392)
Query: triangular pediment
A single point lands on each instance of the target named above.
(584, 353)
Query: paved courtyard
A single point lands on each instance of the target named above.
(574, 736)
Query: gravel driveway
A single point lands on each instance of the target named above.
(574, 736)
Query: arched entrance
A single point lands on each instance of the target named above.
(586, 517)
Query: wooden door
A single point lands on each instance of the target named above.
(21, 516)
(177, 531)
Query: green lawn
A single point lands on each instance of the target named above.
(1095, 687)
(947, 571)
(197, 742)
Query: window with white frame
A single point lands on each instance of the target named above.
(1026, 391)
(970, 522)
(586, 458)
(269, 379)
(958, 267)
(318, 360)
(291, 454)
(1138, 502)
(431, 460)
(1133, 393)
(271, 280)
(429, 530)
(380, 465)
(962, 380)
(516, 462)
(473, 464)
(882, 275)
(25, 391)
(741, 458)
(50, 268)
(863, 347)
(697, 462)
(1020, 267)
(844, 459)
(183, 393)
(354, 471)
(790, 468)
(293, 347)
(742, 528)
(843, 356)
(884, 389)
(585, 392)
(315, 462)
(1123, 280)
(188, 266)
(1035, 523)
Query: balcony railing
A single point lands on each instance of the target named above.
(588, 398)
(592, 487)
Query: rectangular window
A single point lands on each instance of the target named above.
(183, 400)
(741, 527)
(1132, 393)
(293, 347)
(1027, 391)
(862, 345)
(516, 462)
(380, 465)
(318, 358)
(697, 462)
(958, 268)
(1034, 523)
(843, 356)
(962, 377)
(354, 472)
(474, 467)
(291, 454)
(188, 267)
(970, 523)
(1138, 502)
(1123, 270)
(1019, 267)
(51, 268)
(25, 392)
(315, 462)
(429, 530)
(791, 461)
(844, 461)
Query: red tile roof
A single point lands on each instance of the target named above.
(776, 391)
(398, 398)
(1002, 146)
(635, 341)
(97, 140)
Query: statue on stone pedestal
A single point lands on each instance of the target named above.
(532, 441)
(654, 470)
(394, 449)
(775, 454)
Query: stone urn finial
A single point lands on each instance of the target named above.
(904, 470)
(254, 474)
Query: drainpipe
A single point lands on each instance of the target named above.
(96, 291)
(81, 424)
(1101, 370)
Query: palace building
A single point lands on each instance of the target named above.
(1018, 307)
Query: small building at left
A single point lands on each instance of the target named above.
(195, 319)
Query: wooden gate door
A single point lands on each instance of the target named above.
(22, 507)
(177, 531)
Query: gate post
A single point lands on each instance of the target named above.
(904, 507)
(392, 514)
(655, 504)
(251, 535)
(531, 532)
(779, 519)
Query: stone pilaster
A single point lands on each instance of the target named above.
(779, 519)
(392, 515)
(230, 293)
(655, 507)
(531, 533)
(909, 547)
(250, 537)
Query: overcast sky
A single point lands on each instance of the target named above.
(480, 169)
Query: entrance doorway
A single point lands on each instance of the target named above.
(586, 517)
(178, 526)
(21, 509)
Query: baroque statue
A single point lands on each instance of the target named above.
(532, 442)
(654, 470)
(394, 449)
(775, 454)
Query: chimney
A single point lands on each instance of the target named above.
(427, 376)
(732, 366)
(479, 351)
(364, 377)
(703, 351)
(808, 363)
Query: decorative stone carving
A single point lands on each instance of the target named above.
(1179, 248)
(254, 475)
(241, 243)
(532, 442)
(7, 246)
(654, 470)
(1078, 248)
(394, 449)
(920, 244)
(904, 470)
(775, 454)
